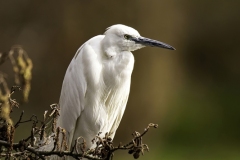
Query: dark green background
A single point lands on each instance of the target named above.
(193, 93)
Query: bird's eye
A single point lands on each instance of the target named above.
(126, 36)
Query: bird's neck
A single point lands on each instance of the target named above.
(111, 52)
(110, 48)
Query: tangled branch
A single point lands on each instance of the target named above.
(40, 137)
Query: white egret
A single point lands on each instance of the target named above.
(96, 86)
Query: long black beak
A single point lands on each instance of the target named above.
(152, 43)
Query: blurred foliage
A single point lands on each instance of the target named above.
(191, 93)
(22, 68)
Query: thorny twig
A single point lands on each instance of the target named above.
(33, 119)
(104, 146)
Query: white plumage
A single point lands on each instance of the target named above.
(96, 86)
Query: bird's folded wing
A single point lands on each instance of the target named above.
(72, 96)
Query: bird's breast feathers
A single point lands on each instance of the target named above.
(108, 85)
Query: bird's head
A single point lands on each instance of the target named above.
(123, 38)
